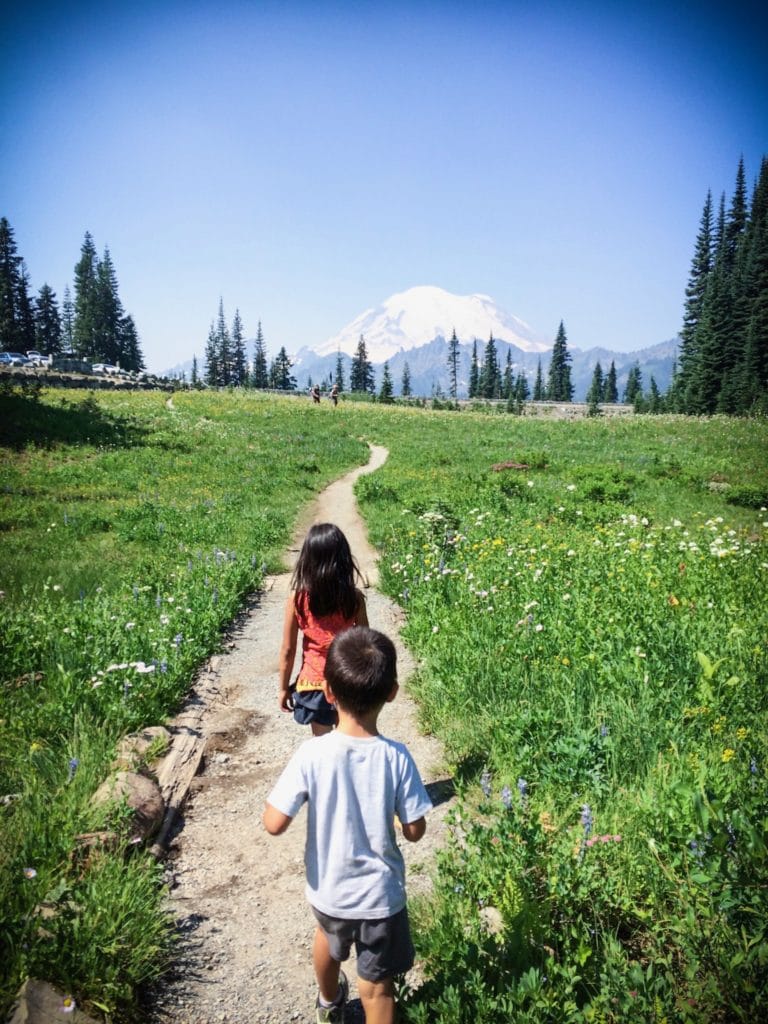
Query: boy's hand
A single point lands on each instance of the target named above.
(275, 822)
(414, 830)
(286, 700)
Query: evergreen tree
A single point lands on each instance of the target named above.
(539, 392)
(130, 350)
(47, 322)
(701, 269)
(508, 380)
(86, 300)
(634, 387)
(610, 387)
(260, 376)
(339, 378)
(474, 373)
(283, 379)
(224, 346)
(195, 377)
(490, 376)
(386, 392)
(405, 384)
(655, 404)
(239, 359)
(25, 322)
(596, 388)
(10, 272)
(108, 315)
(521, 391)
(559, 387)
(361, 373)
(67, 321)
(212, 360)
(453, 365)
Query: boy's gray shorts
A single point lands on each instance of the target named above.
(383, 947)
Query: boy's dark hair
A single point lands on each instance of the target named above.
(361, 669)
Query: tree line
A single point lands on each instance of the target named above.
(724, 338)
(93, 326)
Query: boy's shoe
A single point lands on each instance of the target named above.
(333, 1014)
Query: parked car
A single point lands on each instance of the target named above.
(37, 358)
(14, 359)
(105, 368)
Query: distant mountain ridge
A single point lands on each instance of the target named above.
(415, 317)
(428, 366)
(414, 327)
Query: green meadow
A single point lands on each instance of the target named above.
(591, 627)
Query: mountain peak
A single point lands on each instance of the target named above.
(418, 315)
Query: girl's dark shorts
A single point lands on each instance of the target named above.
(384, 947)
(311, 706)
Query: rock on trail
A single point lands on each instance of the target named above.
(236, 893)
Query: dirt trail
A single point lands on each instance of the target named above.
(236, 892)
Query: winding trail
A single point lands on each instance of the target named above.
(237, 894)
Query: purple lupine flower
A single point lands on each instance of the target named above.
(485, 783)
(158, 600)
(164, 665)
(135, 592)
(177, 640)
(586, 819)
(72, 768)
(506, 797)
(604, 730)
(522, 788)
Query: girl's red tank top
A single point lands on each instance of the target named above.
(318, 632)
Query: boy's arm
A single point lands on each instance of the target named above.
(275, 822)
(414, 830)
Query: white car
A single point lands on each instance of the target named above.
(37, 358)
(105, 368)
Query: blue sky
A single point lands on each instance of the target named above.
(304, 161)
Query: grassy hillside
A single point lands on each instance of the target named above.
(592, 636)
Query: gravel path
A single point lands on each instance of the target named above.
(236, 893)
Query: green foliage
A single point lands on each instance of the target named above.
(131, 534)
(589, 627)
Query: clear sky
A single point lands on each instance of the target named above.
(304, 161)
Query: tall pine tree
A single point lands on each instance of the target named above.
(260, 375)
(405, 384)
(474, 373)
(361, 372)
(453, 365)
(559, 387)
(47, 322)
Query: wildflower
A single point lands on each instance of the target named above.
(604, 730)
(458, 888)
(164, 620)
(130, 625)
(753, 766)
(177, 639)
(530, 483)
(570, 552)
(164, 665)
(158, 600)
(538, 627)
(57, 586)
(522, 788)
(68, 1004)
(586, 819)
(571, 487)
(485, 783)
(506, 797)
(30, 873)
(727, 755)
(135, 593)
(435, 629)
(72, 768)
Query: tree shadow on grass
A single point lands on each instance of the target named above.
(24, 420)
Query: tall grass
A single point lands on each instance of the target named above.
(131, 532)
(593, 636)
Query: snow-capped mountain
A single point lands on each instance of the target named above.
(417, 316)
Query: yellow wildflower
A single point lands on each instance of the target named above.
(727, 755)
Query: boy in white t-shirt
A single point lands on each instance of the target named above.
(354, 782)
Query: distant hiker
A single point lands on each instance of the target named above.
(335, 394)
(315, 392)
(355, 781)
(324, 600)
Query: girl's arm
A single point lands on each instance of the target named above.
(361, 615)
(288, 653)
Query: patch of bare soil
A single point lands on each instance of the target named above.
(236, 893)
